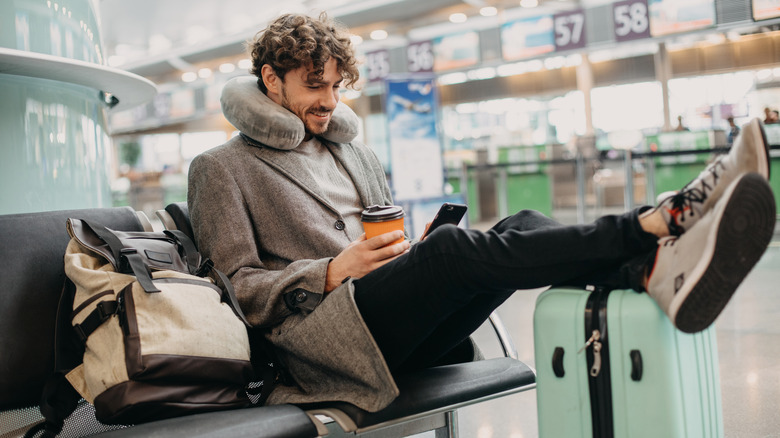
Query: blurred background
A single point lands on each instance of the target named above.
(573, 108)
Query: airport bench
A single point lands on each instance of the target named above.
(31, 279)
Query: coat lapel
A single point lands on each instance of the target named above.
(290, 165)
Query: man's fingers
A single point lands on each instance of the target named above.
(383, 240)
(393, 250)
(390, 253)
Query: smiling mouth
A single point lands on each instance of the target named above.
(321, 116)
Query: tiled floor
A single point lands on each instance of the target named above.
(748, 334)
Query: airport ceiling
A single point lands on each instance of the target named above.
(155, 37)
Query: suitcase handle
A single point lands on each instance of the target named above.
(636, 365)
(557, 362)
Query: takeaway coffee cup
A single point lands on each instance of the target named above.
(381, 219)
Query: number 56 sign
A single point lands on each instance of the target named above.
(631, 20)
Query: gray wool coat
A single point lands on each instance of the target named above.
(264, 222)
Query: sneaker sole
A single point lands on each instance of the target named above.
(741, 237)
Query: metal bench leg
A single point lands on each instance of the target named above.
(450, 429)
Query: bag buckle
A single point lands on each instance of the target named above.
(106, 309)
(103, 311)
(124, 261)
(80, 333)
(204, 268)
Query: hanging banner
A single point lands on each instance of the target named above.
(527, 37)
(675, 16)
(765, 9)
(413, 135)
(455, 51)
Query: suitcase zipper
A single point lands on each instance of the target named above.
(595, 341)
(598, 364)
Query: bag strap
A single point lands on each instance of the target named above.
(264, 357)
(269, 376)
(103, 311)
(191, 254)
(140, 269)
(124, 255)
(59, 398)
(228, 289)
(111, 240)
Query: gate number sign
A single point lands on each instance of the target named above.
(631, 20)
(569, 30)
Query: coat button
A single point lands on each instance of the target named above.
(301, 297)
(339, 225)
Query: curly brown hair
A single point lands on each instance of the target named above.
(295, 40)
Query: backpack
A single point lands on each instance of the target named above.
(143, 333)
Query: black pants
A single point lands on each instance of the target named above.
(422, 304)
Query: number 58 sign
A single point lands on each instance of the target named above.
(631, 20)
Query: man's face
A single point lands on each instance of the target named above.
(313, 101)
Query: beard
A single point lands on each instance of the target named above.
(311, 126)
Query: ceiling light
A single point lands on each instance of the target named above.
(458, 17)
(488, 11)
(356, 40)
(189, 76)
(159, 43)
(529, 3)
(482, 73)
(204, 73)
(453, 78)
(245, 64)
(227, 67)
(378, 34)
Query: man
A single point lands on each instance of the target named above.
(771, 116)
(733, 131)
(277, 208)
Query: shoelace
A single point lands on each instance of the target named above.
(670, 241)
(685, 198)
(713, 169)
(684, 201)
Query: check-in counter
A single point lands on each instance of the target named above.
(673, 172)
(773, 137)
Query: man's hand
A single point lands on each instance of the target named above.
(363, 256)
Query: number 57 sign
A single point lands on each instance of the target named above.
(569, 30)
(631, 20)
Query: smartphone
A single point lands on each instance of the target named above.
(448, 214)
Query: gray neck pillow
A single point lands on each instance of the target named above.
(257, 116)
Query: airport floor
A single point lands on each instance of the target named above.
(748, 335)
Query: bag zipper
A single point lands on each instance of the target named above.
(598, 364)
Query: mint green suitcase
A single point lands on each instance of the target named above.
(637, 377)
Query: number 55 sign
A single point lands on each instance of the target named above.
(631, 20)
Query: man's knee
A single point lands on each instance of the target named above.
(445, 236)
(529, 220)
(530, 215)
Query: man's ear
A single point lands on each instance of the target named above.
(270, 79)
